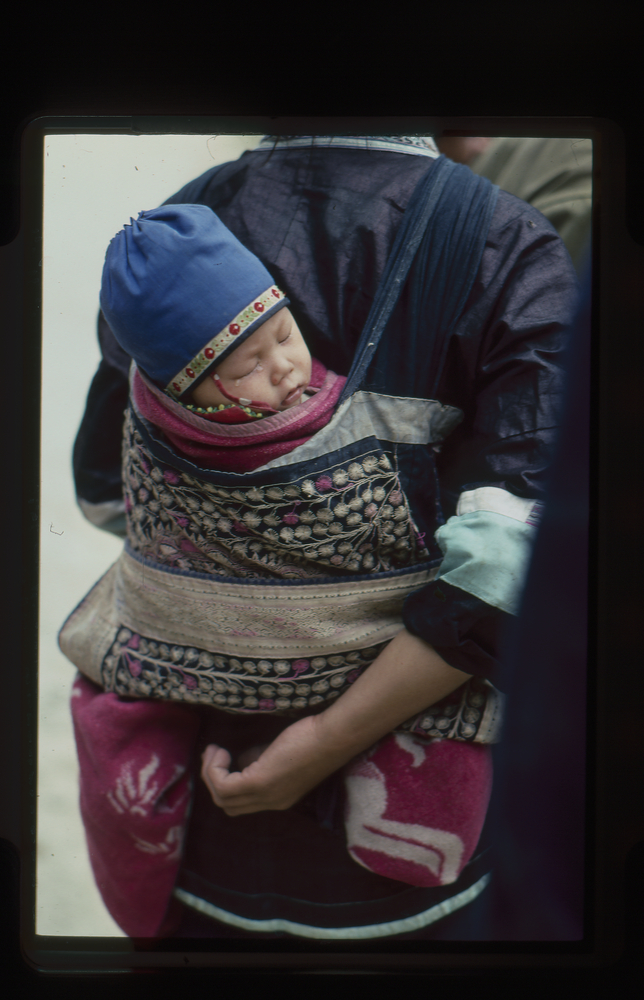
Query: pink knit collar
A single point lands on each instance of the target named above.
(238, 447)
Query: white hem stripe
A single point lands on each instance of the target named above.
(405, 925)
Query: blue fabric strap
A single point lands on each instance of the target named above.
(438, 248)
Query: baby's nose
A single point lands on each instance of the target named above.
(280, 369)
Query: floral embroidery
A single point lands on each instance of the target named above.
(353, 519)
(458, 716)
(280, 686)
(177, 673)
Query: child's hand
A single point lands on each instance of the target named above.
(289, 767)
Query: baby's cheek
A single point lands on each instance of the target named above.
(207, 394)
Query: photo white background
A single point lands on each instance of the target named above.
(94, 184)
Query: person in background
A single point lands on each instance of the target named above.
(553, 175)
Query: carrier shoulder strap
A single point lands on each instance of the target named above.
(442, 235)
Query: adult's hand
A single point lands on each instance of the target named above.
(289, 767)
(405, 678)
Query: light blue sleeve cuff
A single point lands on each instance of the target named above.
(487, 553)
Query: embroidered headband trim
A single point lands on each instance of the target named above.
(221, 342)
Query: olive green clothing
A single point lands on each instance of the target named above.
(553, 175)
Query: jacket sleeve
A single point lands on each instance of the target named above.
(554, 175)
(505, 371)
(97, 449)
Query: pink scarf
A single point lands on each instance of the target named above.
(244, 446)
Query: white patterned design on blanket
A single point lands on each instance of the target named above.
(171, 845)
(437, 850)
(414, 810)
(139, 796)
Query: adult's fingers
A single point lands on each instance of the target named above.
(215, 764)
(236, 793)
(215, 756)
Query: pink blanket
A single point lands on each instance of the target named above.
(135, 792)
(414, 807)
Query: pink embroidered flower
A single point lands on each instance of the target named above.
(267, 704)
(370, 510)
(299, 666)
(187, 546)
(240, 528)
(134, 642)
(337, 560)
(128, 504)
(395, 498)
(353, 676)
(290, 519)
(170, 476)
(188, 680)
(183, 522)
(324, 483)
(134, 666)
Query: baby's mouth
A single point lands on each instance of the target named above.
(293, 395)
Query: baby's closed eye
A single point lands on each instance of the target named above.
(257, 368)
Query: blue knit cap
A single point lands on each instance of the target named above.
(180, 293)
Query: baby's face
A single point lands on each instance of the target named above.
(271, 366)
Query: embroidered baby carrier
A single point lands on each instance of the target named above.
(271, 590)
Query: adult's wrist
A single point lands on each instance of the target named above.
(407, 677)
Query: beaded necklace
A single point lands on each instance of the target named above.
(207, 411)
